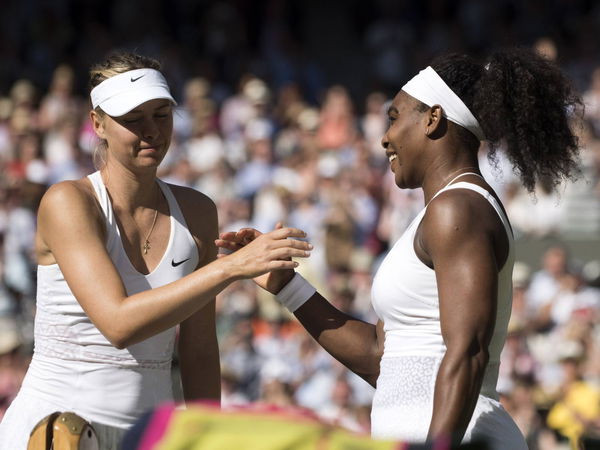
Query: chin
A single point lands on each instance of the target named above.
(400, 182)
(404, 184)
(148, 165)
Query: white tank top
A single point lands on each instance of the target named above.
(74, 367)
(405, 297)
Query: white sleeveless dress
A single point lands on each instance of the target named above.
(405, 297)
(75, 368)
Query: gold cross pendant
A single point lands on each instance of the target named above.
(146, 246)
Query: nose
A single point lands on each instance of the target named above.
(384, 141)
(149, 130)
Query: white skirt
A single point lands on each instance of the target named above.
(25, 412)
(110, 397)
(403, 407)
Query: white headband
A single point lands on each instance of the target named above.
(121, 93)
(428, 87)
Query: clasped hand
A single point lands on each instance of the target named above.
(265, 257)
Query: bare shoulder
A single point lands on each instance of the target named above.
(199, 210)
(455, 217)
(456, 210)
(67, 209)
(75, 197)
(462, 220)
(190, 197)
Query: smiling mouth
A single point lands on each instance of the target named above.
(392, 157)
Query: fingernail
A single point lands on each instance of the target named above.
(310, 246)
(296, 264)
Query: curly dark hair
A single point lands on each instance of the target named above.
(524, 102)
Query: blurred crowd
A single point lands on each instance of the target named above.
(270, 149)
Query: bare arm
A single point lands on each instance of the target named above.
(70, 226)
(356, 344)
(459, 234)
(199, 356)
(198, 346)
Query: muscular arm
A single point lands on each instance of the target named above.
(71, 228)
(356, 344)
(458, 233)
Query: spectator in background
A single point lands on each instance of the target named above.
(237, 112)
(340, 408)
(232, 393)
(241, 359)
(521, 405)
(204, 148)
(573, 298)
(28, 161)
(60, 101)
(62, 152)
(545, 284)
(577, 410)
(337, 123)
(546, 47)
(256, 173)
(591, 99)
(196, 102)
(12, 363)
(275, 391)
(19, 249)
(539, 219)
(373, 123)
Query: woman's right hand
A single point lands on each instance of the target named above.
(232, 241)
(255, 254)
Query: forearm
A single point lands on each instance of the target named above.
(200, 376)
(149, 312)
(351, 341)
(199, 356)
(456, 392)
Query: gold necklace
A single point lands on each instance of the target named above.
(146, 245)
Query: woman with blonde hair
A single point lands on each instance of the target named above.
(123, 259)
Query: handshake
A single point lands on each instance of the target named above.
(267, 259)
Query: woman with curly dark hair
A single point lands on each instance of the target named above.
(443, 292)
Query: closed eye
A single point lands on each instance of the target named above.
(392, 112)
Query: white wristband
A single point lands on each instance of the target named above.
(295, 293)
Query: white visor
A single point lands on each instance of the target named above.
(121, 93)
(429, 88)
